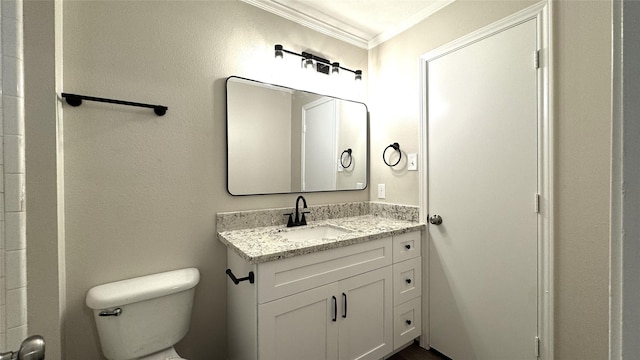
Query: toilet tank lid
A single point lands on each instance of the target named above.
(141, 288)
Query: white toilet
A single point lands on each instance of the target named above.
(144, 317)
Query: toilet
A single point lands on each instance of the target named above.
(144, 317)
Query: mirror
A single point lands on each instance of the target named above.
(282, 140)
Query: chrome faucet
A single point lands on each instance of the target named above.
(299, 220)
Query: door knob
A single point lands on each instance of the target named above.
(435, 220)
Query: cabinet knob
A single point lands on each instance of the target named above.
(408, 246)
(408, 281)
(408, 322)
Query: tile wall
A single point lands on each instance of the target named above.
(13, 279)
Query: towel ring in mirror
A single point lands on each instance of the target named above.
(342, 158)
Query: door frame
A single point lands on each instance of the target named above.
(542, 13)
(624, 326)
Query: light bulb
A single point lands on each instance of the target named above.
(335, 68)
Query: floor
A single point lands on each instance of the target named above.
(415, 352)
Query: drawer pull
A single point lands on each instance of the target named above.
(408, 322)
(344, 300)
(408, 246)
(408, 281)
(335, 309)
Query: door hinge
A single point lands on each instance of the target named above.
(536, 59)
(537, 346)
(537, 203)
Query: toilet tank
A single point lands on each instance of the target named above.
(137, 317)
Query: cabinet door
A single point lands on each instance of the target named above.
(365, 315)
(300, 326)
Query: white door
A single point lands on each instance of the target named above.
(482, 182)
(366, 327)
(300, 326)
(319, 164)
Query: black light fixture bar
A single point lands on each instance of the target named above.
(323, 65)
(76, 100)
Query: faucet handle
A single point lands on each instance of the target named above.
(303, 221)
(290, 222)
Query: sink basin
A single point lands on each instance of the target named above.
(324, 232)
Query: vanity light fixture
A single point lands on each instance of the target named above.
(279, 52)
(335, 68)
(321, 65)
(307, 61)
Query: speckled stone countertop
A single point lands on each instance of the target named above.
(262, 244)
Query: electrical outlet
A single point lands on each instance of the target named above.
(412, 162)
(381, 191)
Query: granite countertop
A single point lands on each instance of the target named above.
(262, 244)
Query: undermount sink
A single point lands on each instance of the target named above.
(323, 232)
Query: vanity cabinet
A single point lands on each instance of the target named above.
(334, 304)
(349, 319)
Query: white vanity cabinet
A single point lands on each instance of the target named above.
(350, 319)
(334, 304)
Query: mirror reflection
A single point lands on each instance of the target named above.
(282, 140)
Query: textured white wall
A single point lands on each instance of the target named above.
(141, 191)
(13, 279)
(582, 45)
(45, 271)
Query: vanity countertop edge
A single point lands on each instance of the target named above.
(263, 244)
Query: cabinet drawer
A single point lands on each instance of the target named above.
(276, 279)
(407, 322)
(407, 280)
(406, 246)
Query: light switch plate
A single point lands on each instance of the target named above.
(381, 191)
(412, 162)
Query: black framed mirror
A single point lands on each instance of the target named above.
(283, 140)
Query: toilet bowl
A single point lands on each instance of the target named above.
(144, 317)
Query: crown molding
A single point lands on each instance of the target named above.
(410, 22)
(352, 36)
(310, 22)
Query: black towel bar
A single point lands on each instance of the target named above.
(76, 100)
